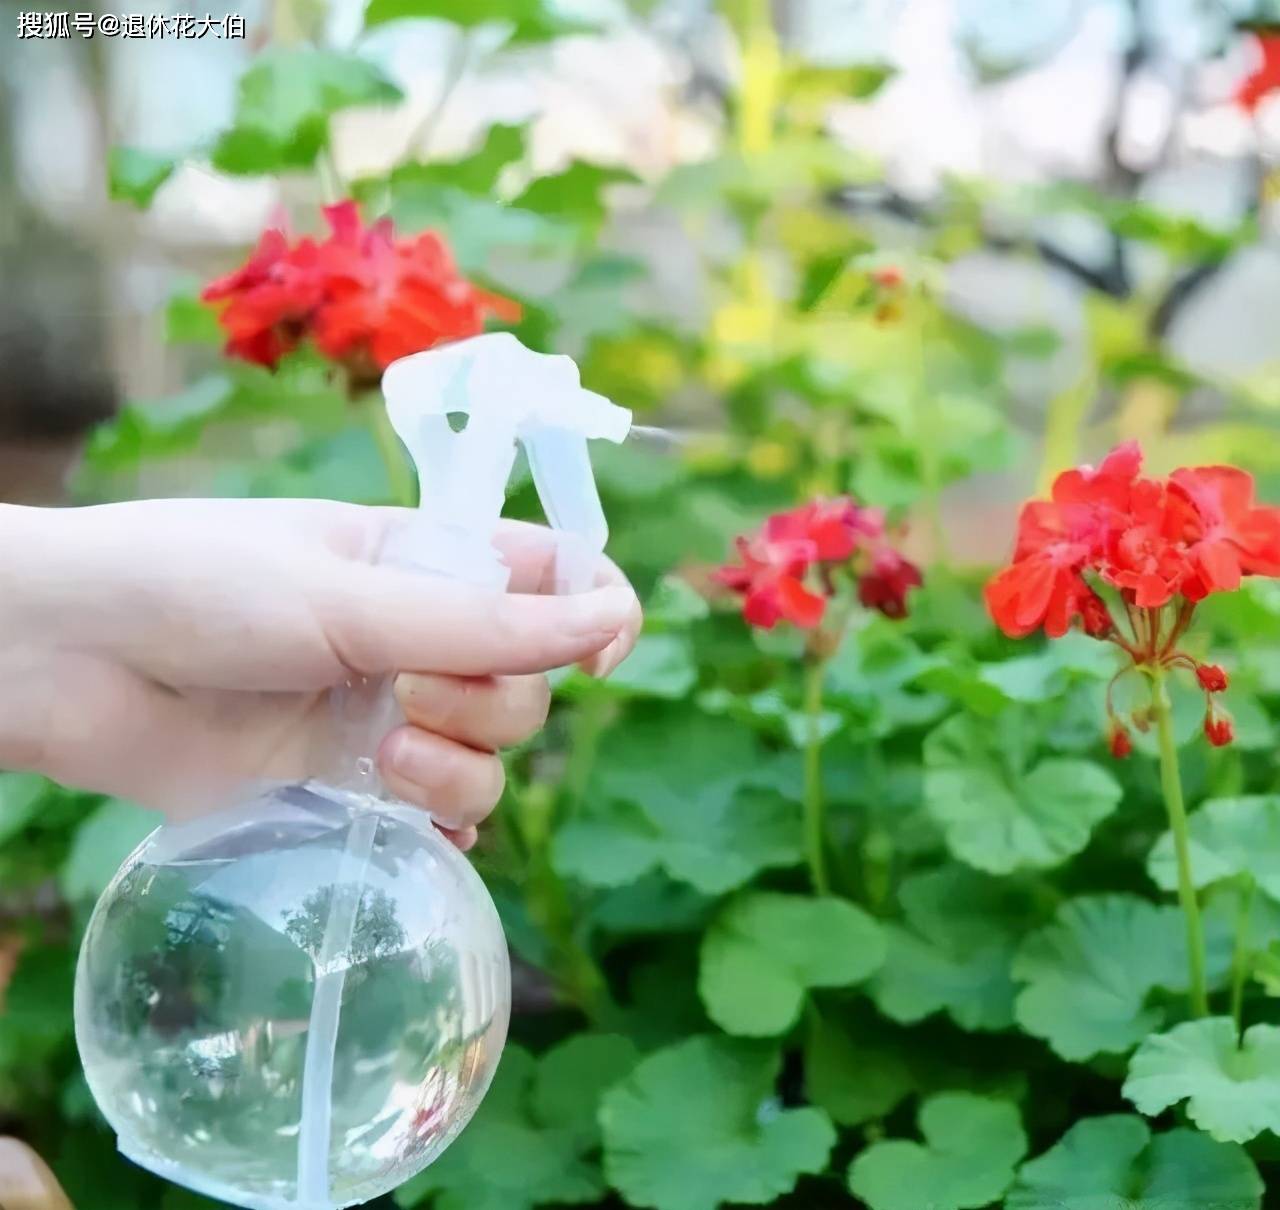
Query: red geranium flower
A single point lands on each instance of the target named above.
(363, 296)
(1265, 78)
(385, 299)
(770, 581)
(885, 584)
(1160, 546)
(787, 571)
(269, 299)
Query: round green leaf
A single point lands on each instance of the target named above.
(766, 950)
(857, 1069)
(954, 949)
(1106, 1163)
(539, 1118)
(1089, 973)
(971, 1147)
(697, 1125)
(682, 792)
(1229, 836)
(999, 814)
(1232, 1089)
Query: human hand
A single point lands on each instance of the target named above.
(168, 651)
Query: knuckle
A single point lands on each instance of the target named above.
(531, 705)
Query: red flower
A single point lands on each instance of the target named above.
(888, 277)
(1162, 545)
(363, 296)
(385, 299)
(1212, 678)
(271, 298)
(787, 570)
(1265, 78)
(1121, 743)
(1219, 730)
(771, 585)
(886, 584)
(1229, 535)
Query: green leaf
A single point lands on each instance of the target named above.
(857, 1069)
(576, 193)
(573, 1076)
(659, 666)
(967, 1160)
(812, 84)
(999, 815)
(1228, 837)
(529, 1141)
(681, 792)
(1232, 1089)
(954, 950)
(284, 103)
(652, 904)
(697, 1125)
(530, 20)
(479, 226)
(874, 671)
(187, 320)
(134, 175)
(765, 950)
(102, 842)
(1110, 1163)
(20, 801)
(475, 173)
(1089, 973)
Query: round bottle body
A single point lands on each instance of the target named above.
(297, 1002)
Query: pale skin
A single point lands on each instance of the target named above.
(174, 651)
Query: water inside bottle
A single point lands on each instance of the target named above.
(204, 966)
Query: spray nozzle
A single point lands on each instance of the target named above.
(460, 410)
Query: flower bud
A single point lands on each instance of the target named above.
(1212, 678)
(1219, 730)
(1096, 616)
(1121, 743)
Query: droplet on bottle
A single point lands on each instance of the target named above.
(364, 766)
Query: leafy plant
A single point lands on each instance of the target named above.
(836, 892)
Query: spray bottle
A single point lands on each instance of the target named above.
(298, 1001)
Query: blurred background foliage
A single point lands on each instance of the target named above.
(924, 251)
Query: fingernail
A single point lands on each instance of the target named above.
(602, 611)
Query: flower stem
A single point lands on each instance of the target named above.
(814, 806)
(1240, 951)
(399, 477)
(1171, 784)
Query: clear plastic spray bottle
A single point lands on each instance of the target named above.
(298, 1001)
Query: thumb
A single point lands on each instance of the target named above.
(389, 620)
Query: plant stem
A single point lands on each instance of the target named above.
(814, 806)
(588, 725)
(1240, 951)
(399, 476)
(1171, 784)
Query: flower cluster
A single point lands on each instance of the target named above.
(362, 296)
(1158, 545)
(787, 571)
(1265, 78)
